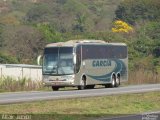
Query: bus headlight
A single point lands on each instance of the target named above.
(69, 78)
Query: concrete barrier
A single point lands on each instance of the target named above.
(18, 71)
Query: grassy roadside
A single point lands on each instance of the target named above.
(9, 84)
(87, 108)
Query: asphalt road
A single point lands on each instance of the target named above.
(8, 98)
(143, 116)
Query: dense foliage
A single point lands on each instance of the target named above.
(135, 11)
(26, 26)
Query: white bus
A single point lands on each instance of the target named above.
(84, 64)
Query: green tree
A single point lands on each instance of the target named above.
(133, 11)
(80, 23)
(38, 13)
(152, 30)
(1, 38)
(23, 42)
(6, 58)
(50, 34)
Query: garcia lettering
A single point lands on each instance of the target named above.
(101, 63)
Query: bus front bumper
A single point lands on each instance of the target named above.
(67, 80)
(58, 83)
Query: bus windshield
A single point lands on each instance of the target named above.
(58, 61)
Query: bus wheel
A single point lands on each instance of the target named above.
(55, 88)
(83, 83)
(117, 81)
(113, 84)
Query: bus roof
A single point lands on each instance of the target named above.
(83, 42)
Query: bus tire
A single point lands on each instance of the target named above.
(113, 83)
(118, 81)
(55, 88)
(83, 84)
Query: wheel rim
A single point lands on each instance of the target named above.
(113, 82)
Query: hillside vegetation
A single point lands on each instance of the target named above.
(27, 25)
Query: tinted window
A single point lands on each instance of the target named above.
(103, 52)
(51, 50)
(58, 49)
(58, 61)
(66, 50)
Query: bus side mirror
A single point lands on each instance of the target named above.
(39, 60)
(74, 58)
